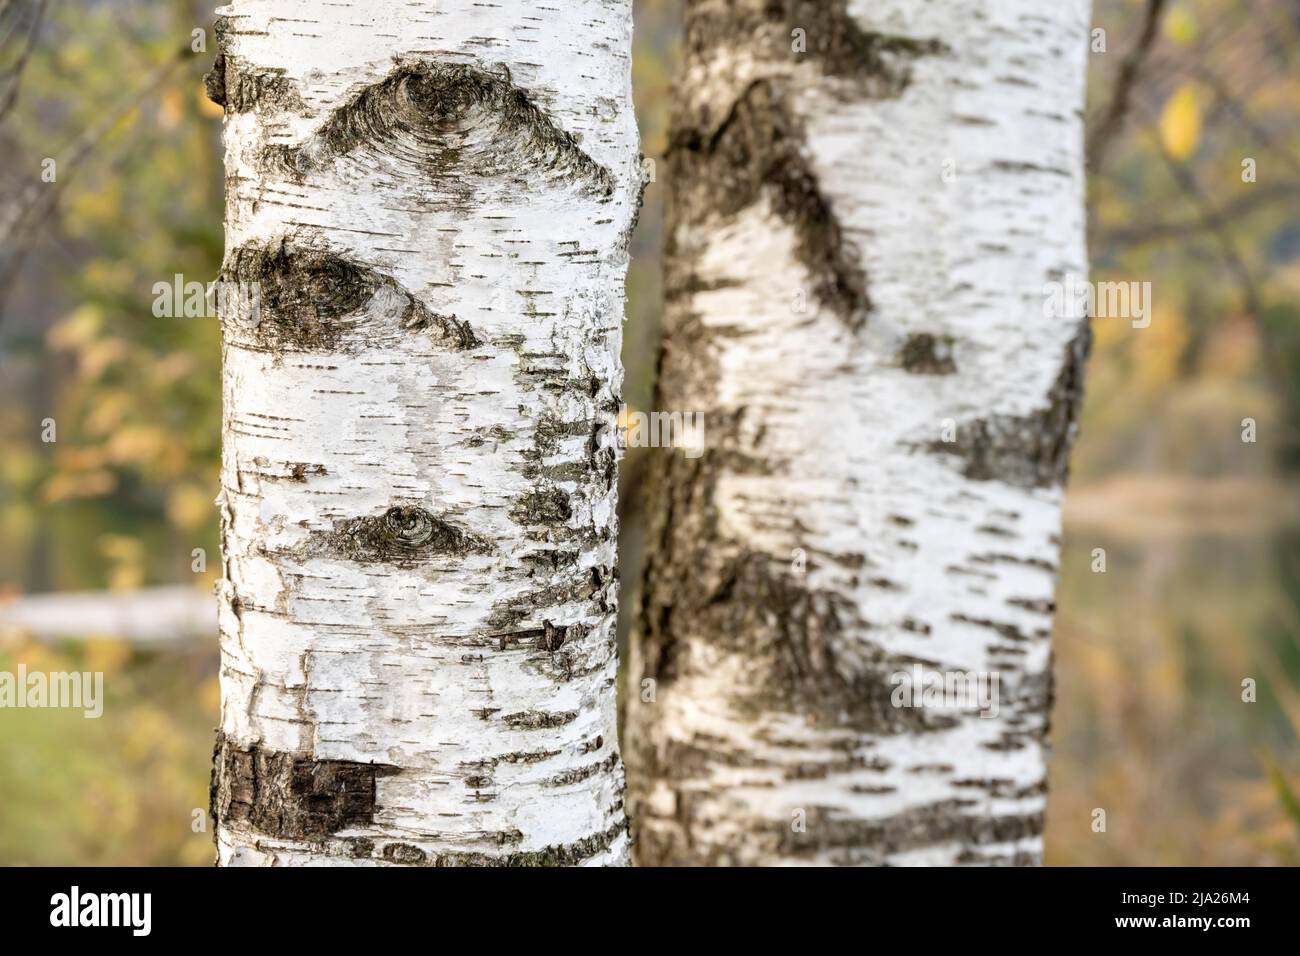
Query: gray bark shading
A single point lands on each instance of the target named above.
(833, 39)
(758, 149)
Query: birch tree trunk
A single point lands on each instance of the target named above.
(867, 198)
(428, 212)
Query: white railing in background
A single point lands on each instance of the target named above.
(148, 616)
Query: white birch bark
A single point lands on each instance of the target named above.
(834, 302)
(418, 482)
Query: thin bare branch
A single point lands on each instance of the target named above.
(13, 75)
(1225, 215)
(1222, 233)
(1100, 138)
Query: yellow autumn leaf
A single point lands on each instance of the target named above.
(106, 654)
(206, 106)
(76, 329)
(190, 507)
(1180, 123)
(170, 108)
(1180, 26)
(136, 443)
(67, 487)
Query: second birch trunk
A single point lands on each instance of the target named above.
(867, 200)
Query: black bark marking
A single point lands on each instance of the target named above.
(751, 605)
(214, 81)
(313, 300)
(834, 42)
(1037, 605)
(722, 164)
(288, 795)
(579, 774)
(539, 719)
(1010, 631)
(555, 636)
(548, 506)
(948, 821)
(231, 85)
(1031, 451)
(568, 854)
(403, 535)
(450, 120)
(404, 853)
(758, 151)
(927, 354)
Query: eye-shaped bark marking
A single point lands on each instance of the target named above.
(402, 535)
(299, 299)
(455, 122)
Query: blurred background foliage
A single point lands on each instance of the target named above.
(1201, 588)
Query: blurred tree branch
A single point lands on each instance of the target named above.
(1101, 136)
(11, 13)
(22, 217)
(1240, 206)
(1219, 228)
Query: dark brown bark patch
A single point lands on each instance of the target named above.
(1031, 451)
(926, 354)
(756, 607)
(724, 161)
(546, 506)
(291, 796)
(214, 81)
(293, 298)
(539, 720)
(230, 84)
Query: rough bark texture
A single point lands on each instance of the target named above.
(418, 482)
(833, 304)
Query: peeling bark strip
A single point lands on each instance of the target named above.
(836, 302)
(418, 475)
